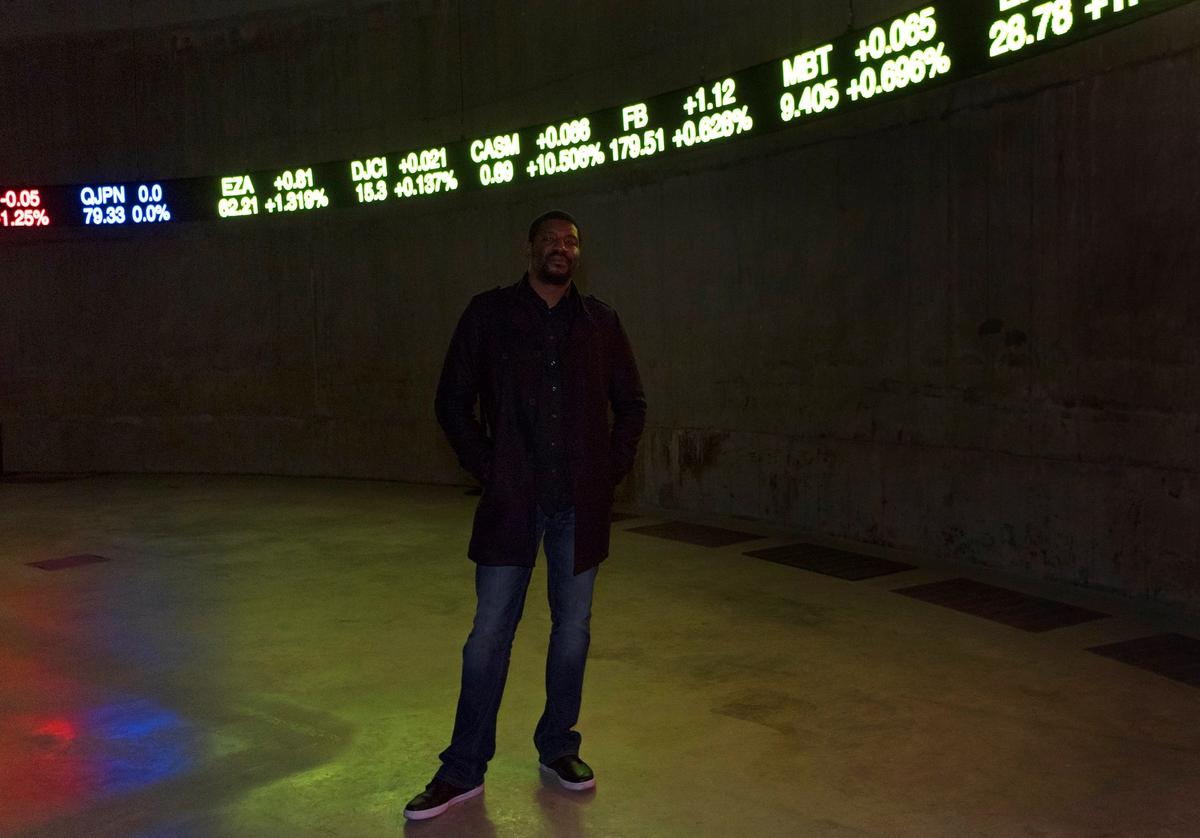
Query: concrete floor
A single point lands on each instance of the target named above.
(275, 657)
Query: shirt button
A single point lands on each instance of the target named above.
(554, 363)
(533, 401)
(552, 338)
(554, 389)
(553, 415)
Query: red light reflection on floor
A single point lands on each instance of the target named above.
(52, 766)
(68, 737)
(61, 731)
(40, 770)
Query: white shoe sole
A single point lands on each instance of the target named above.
(586, 784)
(422, 814)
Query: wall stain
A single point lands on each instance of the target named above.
(697, 451)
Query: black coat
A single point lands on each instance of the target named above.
(495, 358)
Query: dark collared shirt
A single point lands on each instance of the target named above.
(551, 468)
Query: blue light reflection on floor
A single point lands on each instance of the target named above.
(138, 744)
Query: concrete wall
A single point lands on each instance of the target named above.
(962, 323)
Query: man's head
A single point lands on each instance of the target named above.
(553, 247)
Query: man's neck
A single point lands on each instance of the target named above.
(550, 292)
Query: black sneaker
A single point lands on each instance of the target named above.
(437, 798)
(571, 772)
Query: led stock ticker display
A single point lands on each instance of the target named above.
(23, 208)
(118, 204)
(932, 44)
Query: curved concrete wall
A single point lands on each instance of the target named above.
(961, 323)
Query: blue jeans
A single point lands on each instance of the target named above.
(500, 593)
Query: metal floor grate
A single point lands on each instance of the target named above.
(68, 561)
(840, 563)
(1175, 656)
(697, 534)
(1001, 605)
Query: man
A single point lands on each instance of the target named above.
(545, 364)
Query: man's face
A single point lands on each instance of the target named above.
(554, 251)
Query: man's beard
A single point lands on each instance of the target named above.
(552, 277)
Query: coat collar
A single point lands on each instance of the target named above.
(575, 297)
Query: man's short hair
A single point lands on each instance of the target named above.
(552, 215)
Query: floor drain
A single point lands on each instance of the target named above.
(698, 534)
(1001, 605)
(1175, 656)
(68, 561)
(840, 563)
